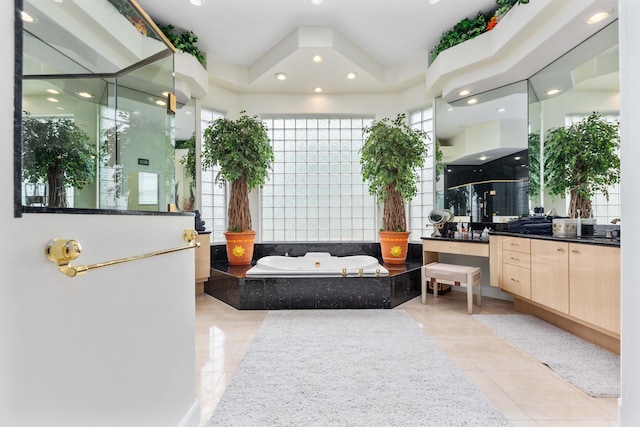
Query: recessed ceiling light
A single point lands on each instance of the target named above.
(281, 76)
(165, 93)
(597, 17)
(196, 2)
(434, 1)
(483, 158)
(161, 103)
(464, 92)
(501, 110)
(318, 90)
(352, 76)
(26, 17)
(85, 94)
(517, 158)
(316, 2)
(58, 1)
(59, 108)
(450, 109)
(316, 58)
(188, 113)
(53, 91)
(553, 91)
(52, 100)
(472, 101)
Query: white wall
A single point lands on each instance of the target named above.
(629, 154)
(113, 347)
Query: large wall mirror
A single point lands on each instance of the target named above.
(483, 140)
(584, 81)
(97, 101)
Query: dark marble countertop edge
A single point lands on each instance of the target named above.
(590, 240)
(449, 239)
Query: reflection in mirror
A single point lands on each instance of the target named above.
(483, 139)
(96, 82)
(185, 157)
(583, 81)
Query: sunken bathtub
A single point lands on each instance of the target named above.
(278, 290)
(317, 264)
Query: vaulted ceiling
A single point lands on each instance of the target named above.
(385, 43)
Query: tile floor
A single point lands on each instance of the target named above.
(528, 393)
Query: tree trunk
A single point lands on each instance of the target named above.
(57, 191)
(394, 216)
(239, 214)
(578, 202)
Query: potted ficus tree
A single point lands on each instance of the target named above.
(57, 152)
(391, 155)
(580, 160)
(243, 151)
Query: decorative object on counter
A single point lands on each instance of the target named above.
(199, 223)
(580, 160)
(438, 218)
(391, 156)
(243, 150)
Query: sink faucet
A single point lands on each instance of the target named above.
(615, 220)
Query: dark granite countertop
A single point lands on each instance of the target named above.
(449, 239)
(590, 240)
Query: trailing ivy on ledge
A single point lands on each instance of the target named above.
(184, 41)
(468, 29)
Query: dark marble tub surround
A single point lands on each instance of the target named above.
(229, 284)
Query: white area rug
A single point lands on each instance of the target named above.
(593, 369)
(349, 368)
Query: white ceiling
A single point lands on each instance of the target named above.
(385, 42)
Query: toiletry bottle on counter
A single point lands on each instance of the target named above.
(485, 234)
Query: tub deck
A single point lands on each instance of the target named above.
(230, 285)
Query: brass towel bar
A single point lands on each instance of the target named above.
(63, 251)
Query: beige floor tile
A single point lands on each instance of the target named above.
(545, 396)
(577, 423)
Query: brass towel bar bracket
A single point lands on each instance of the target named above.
(63, 251)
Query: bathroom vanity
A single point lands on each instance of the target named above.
(573, 283)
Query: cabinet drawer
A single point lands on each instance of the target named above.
(516, 280)
(455, 247)
(519, 259)
(518, 244)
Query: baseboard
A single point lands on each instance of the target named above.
(192, 417)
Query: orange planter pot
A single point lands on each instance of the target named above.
(240, 247)
(394, 246)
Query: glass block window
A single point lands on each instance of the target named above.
(423, 203)
(603, 210)
(315, 191)
(214, 197)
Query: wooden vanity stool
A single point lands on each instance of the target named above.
(455, 275)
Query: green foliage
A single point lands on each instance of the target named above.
(189, 159)
(534, 165)
(241, 148)
(243, 151)
(468, 29)
(186, 41)
(390, 157)
(56, 151)
(582, 159)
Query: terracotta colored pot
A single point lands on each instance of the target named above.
(240, 247)
(394, 246)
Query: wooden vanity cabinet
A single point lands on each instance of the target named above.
(516, 266)
(550, 274)
(594, 285)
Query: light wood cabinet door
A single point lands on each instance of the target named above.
(495, 261)
(594, 285)
(516, 280)
(550, 274)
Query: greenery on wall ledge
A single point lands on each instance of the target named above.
(468, 29)
(186, 41)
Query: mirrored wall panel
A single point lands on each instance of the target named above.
(98, 130)
(483, 140)
(565, 93)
